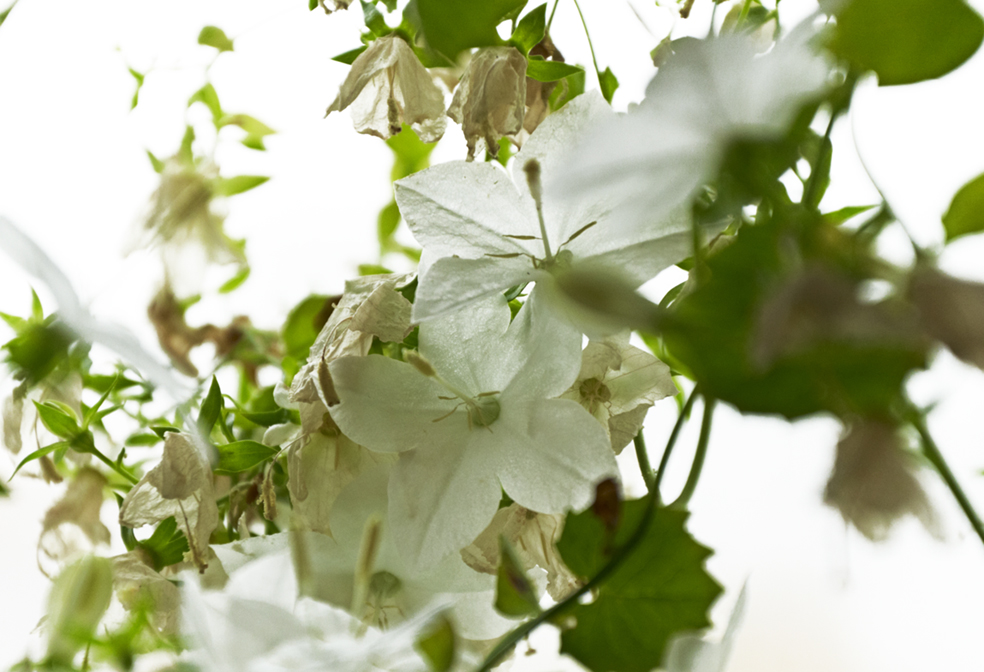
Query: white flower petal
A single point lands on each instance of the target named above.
(465, 209)
(553, 460)
(452, 282)
(389, 406)
(441, 496)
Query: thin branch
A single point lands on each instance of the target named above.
(705, 436)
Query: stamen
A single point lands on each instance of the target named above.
(532, 170)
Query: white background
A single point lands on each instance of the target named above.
(73, 173)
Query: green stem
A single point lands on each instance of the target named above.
(744, 15)
(115, 467)
(648, 475)
(652, 503)
(826, 147)
(694, 476)
(681, 419)
(590, 45)
(934, 455)
(550, 20)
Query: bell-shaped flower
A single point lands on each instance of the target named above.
(180, 486)
(361, 568)
(708, 94)
(388, 87)
(618, 384)
(483, 233)
(490, 101)
(471, 415)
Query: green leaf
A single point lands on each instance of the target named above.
(162, 430)
(38, 350)
(966, 212)
(389, 4)
(436, 644)
(907, 41)
(78, 599)
(387, 221)
(235, 281)
(210, 98)
(255, 129)
(567, 89)
(451, 26)
(166, 546)
(211, 409)
(18, 324)
(373, 269)
(312, 4)
(41, 452)
(212, 36)
(410, 153)
(136, 94)
(550, 71)
(374, 20)
(608, 83)
(156, 163)
(266, 418)
(139, 440)
(838, 217)
(5, 13)
(303, 324)
(230, 186)
(91, 413)
(58, 422)
(185, 153)
(661, 588)
(348, 57)
(37, 310)
(242, 456)
(515, 594)
(530, 30)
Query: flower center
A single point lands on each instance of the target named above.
(483, 411)
(594, 392)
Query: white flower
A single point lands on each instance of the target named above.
(180, 486)
(490, 101)
(484, 422)
(618, 384)
(257, 624)
(390, 589)
(709, 93)
(481, 232)
(388, 87)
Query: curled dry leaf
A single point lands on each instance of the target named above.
(618, 383)
(490, 101)
(178, 339)
(138, 587)
(180, 486)
(951, 311)
(388, 87)
(873, 483)
(533, 535)
(370, 307)
(71, 528)
(13, 416)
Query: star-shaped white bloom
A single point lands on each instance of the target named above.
(481, 231)
(707, 95)
(256, 623)
(481, 420)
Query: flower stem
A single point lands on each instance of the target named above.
(652, 503)
(932, 452)
(681, 419)
(550, 20)
(590, 45)
(694, 476)
(743, 15)
(813, 183)
(112, 465)
(648, 475)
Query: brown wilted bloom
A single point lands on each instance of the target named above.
(538, 93)
(180, 486)
(818, 305)
(177, 339)
(182, 213)
(951, 311)
(873, 483)
(490, 101)
(71, 528)
(533, 536)
(388, 87)
(138, 586)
